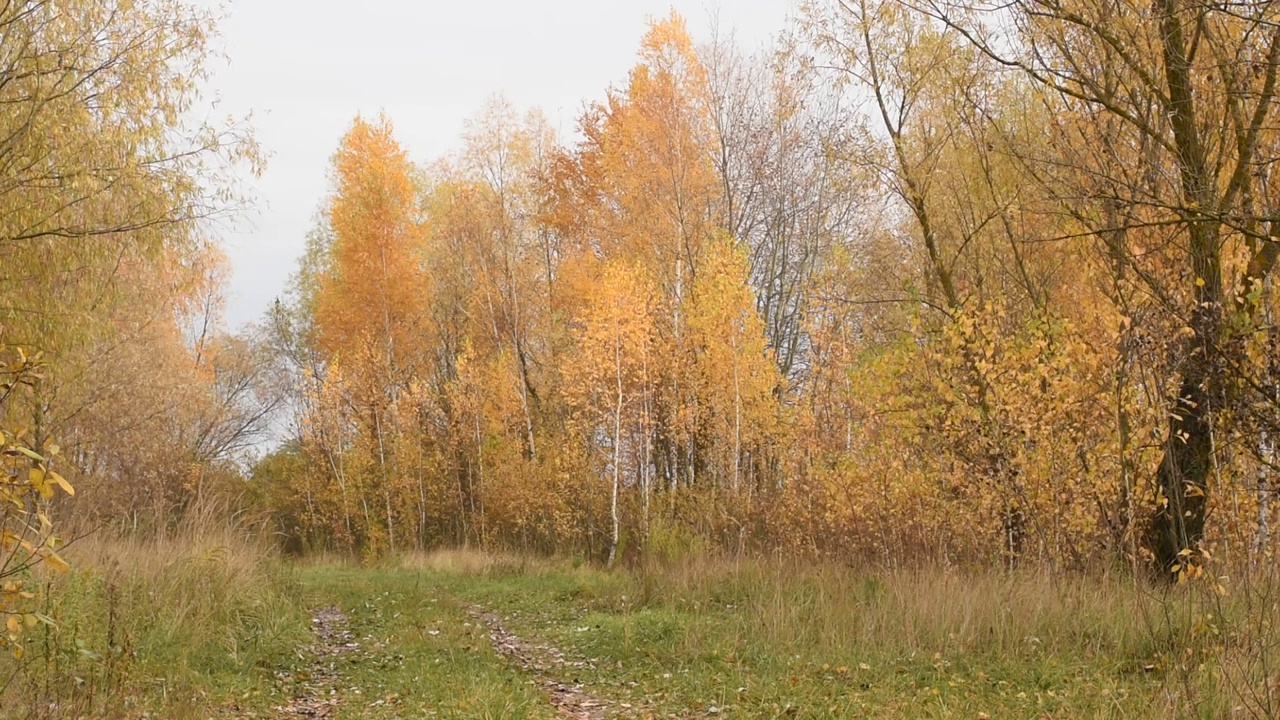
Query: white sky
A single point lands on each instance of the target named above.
(304, 69)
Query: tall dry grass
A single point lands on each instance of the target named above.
(470, 561)
(1211, 646)
(926, 609)
(171, 623)
(1205, 648)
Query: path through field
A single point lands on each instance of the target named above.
(317, 694)
(545, 664)
(542, 644)
(319, 688)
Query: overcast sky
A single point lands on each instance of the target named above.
(305, 69)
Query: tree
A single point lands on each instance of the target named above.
(1176, 100)
(108, 186)
(644, 189)
(792, 183)
(611, 378)
(735, 383)
(369, 295)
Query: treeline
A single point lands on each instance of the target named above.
(117, 384)
(932, 281)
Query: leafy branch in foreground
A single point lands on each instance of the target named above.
(28, 482)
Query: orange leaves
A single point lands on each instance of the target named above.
(370, 303)
(732, 376)
(371, 289)
(532, 345)
(615, 359)
(644, 187)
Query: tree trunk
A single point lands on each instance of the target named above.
(386, 480)
(1184, 473)
(613, 500)
(1262, 538)
(617, 457)
(1188, 454)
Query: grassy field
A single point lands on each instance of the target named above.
(199, 633)
(757, 640)
(763, 642)
(174, 626)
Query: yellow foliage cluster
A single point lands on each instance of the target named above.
(28, 482)
(917, 309)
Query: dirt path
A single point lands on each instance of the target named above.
(317, 689)
(543, 662)
(316, 694)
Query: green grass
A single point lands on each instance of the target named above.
(753, 640)
(208, 629)
(177, 627)
(423, 655)
(771, 643)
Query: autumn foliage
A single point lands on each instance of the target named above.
(117, 384)
(907, 286)
(867, 297)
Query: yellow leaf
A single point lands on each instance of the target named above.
(57, 562)
(36, 476)
(62, 483)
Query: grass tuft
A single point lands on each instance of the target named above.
(177, 625)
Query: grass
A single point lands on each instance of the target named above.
(210, 625)
(763, 641)
(176, 626)
(759, 640)
(423, 655)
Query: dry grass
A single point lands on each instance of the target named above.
(170, 624)
(177, 624)
(470, 561)
(933, 609)
(1104, 644)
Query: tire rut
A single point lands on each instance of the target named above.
(317, 693)
(542, 662)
